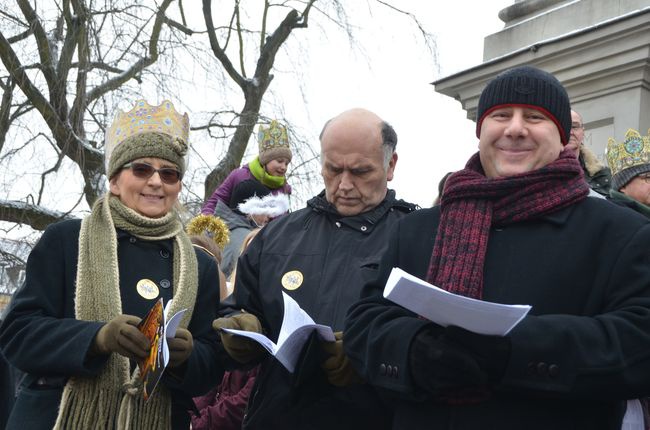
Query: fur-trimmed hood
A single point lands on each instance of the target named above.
(592, 164)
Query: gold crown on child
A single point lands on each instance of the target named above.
(633, 151)
(275, 135)
(145, 118)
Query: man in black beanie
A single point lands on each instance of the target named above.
(506, 224)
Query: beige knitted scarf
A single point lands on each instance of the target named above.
(113, 399)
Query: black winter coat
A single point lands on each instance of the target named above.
(582, 350)
(41, 336)
(334, 255)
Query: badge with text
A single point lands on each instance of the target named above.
(292, 280)
(147, 289)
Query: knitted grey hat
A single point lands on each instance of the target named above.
(154, 144)
(629, 158)
(147, 131)
(623, 177)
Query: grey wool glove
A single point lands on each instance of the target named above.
(121, 335)
(241, 349)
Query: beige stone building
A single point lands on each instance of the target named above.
(599, 50)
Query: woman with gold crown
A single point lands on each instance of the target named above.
(73, 326)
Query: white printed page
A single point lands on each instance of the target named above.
(172, 324)
(294, 318)
(296, 328)
(257, 337)
(289, 351)
(445, 308)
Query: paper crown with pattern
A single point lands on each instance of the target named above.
(628, 158)
(273, 142)
(145, 118)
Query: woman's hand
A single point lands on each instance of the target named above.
(121, 335)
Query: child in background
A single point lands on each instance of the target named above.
(269, 167)
(224, 406)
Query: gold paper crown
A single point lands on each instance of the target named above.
(273, 136)
(633, 151)
(144, 118)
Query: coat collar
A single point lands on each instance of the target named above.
(562, 216)
(363, 222)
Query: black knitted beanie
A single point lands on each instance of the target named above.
(527, 86)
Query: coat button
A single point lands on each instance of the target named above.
(364, 228)
(395, 372)
(164, 253)
(531, 368)
(542, 368)
(165, 283)
(338, 224)
(132, 239)
(553, 370)
(382, 369)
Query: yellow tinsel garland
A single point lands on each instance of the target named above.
(212, 226)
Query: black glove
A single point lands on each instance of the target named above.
(438, 366)
(121, 335)
(492, 353)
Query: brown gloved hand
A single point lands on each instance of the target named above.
(338, 367)
(121, 335)
(240, 348)
(180, 347)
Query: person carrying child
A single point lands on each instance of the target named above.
(268, 168)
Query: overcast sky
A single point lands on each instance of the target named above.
(392, 78)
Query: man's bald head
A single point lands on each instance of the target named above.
(358, 159)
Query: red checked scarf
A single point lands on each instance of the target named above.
(471, 204)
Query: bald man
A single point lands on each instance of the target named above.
(321, 255)
(597, 175)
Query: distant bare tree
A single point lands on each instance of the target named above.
(69, 65)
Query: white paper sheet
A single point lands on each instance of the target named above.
(445, 308)
(296, 328)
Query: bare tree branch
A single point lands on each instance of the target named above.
(216, 49)
(30, 214)
(5, 110)
(140, 64)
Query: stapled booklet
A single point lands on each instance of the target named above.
(157, 326)
(445, 308)
(296, 328)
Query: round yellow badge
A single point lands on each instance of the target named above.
(147, 289)
(292, 280)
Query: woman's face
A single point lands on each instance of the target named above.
(277, 166)
(150, 197)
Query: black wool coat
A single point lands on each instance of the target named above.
(583, 349)
(334, 255)
(41, 337)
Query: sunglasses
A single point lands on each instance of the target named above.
(168, 175)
